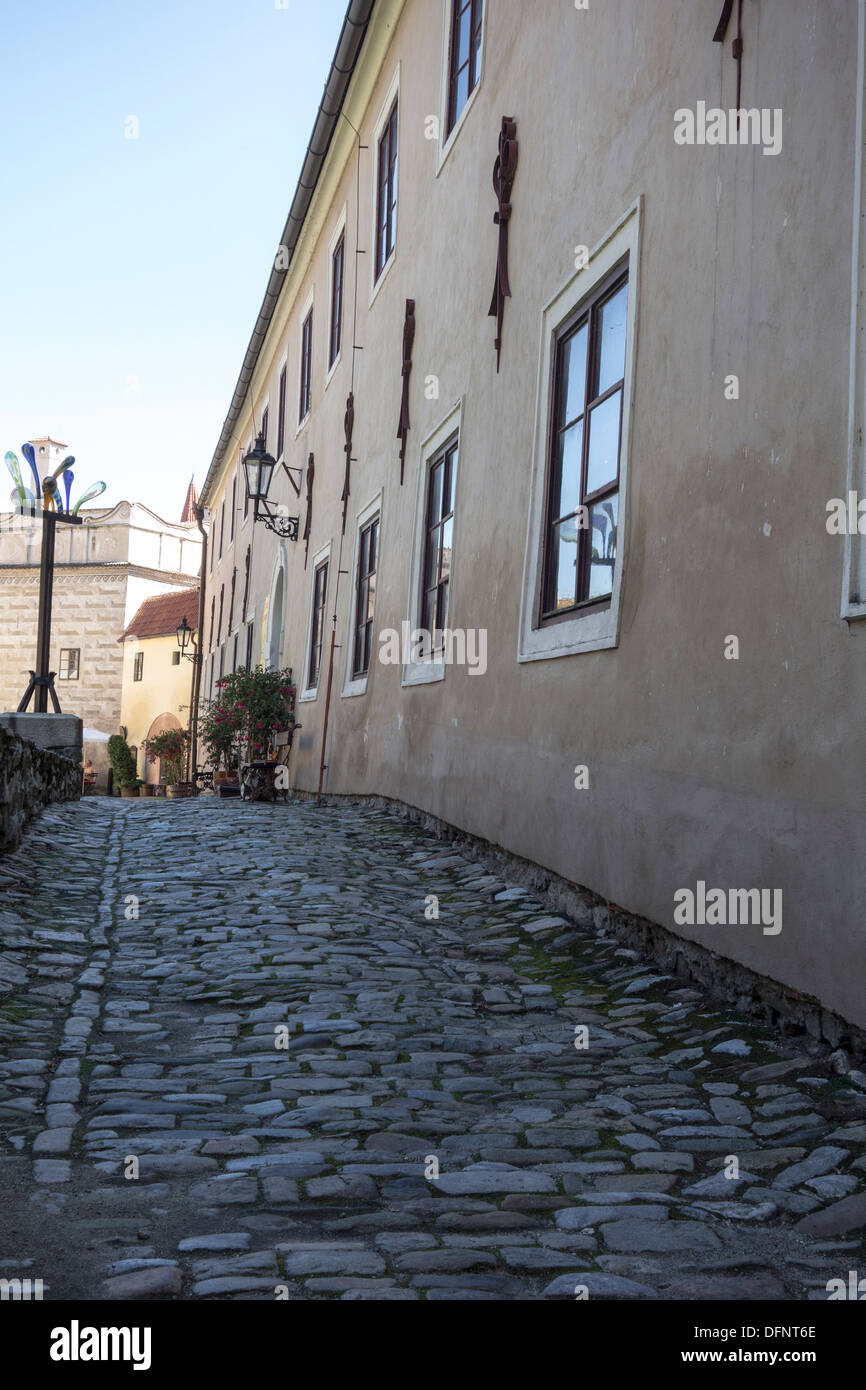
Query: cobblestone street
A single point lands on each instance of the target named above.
(287, 1045)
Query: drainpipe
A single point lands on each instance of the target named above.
(198, 663)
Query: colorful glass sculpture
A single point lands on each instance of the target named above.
(49, 490)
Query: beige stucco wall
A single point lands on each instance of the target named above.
(743, 773)
(163, 689)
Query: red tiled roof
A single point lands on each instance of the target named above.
(164, 613)
(188, 513)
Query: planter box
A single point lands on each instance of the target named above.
(129, 791)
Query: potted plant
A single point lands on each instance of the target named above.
(120, 756)
(169, 748)
(251, 707)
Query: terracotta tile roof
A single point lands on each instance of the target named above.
(188, 513)
(162, 614)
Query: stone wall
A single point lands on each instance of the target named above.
(30, 778)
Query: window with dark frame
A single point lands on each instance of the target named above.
(386, 201)
(222, 527)
(438, 532)
(464, 57)
(365, 596)
(234, 507)
(281, 414)
(306, 367)
(235, 652)
(585, 440)
(70, 661)
(138, 666)
(250, 627)
(336, 301)
(317, 625)
(246, 494)
(175, 658)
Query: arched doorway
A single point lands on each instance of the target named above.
(275, 643)
(159, 726)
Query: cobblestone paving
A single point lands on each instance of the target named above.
(284, 1042)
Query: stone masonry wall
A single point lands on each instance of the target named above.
(30, 778)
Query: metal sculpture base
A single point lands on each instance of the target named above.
(36, 683)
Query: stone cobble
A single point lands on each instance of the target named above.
(295, 1052)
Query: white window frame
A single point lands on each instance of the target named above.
(309, 303)
(446, 143)
(283, 362)
(339, 230)
(309, 692)
(358, 685)
(381, 121)
(594, 629)
(854, 564)
(426, 672)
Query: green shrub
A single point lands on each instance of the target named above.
(122, 762)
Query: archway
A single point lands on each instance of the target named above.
(275, 642)
(159, 726)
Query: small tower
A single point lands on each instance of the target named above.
(188, 513)
(49, 454)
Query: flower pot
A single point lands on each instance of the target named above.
(129, 791)
(148, 789)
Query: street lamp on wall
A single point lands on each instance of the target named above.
(259, 470)
(185, 635)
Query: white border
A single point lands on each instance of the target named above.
(594, 629)
(385, 111)
(425, 672)
(339, 229)
(854, 567)
(309, 692)
(358, 685)
(445, 146)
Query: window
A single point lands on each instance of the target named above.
(235, 652)
(306, 367)
(386, 200)
(222, 526)
(69, 663)
(234, 507)
(138, 666)
(464, 58)
(584, 452)
(265, 426)
(317, 626)
(438, 531)
(250, 627)
(175, 658)
(246, 494)
(281, 414)
(222, 660)
(336, 301)
(365, 596)
(577, 522)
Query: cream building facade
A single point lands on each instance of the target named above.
(628, 506)
(157, 678)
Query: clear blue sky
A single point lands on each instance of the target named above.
(131, 271)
